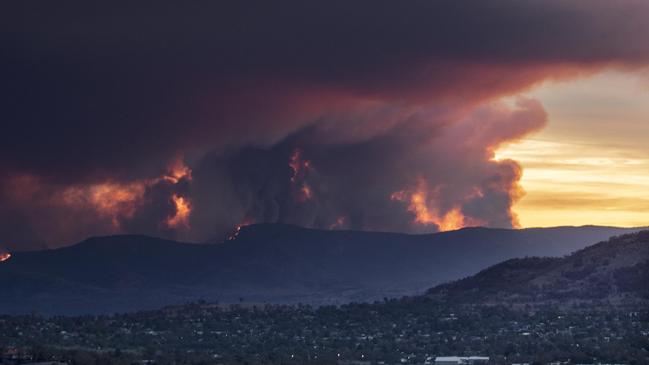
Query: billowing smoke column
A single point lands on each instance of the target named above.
(423, 174)
(188, 122)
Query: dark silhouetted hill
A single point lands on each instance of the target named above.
(266, 263)
(613, 272)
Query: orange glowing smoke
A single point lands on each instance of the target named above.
(339, 223)
(117, 201)
(425, 214)
(183, 210)
(298, 164)
(5, 256)
(177, 171)
(109, 199)
(452, 220)
(295, 163)
(305, 193)
(113, 200)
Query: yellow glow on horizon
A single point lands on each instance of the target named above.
(591, 164)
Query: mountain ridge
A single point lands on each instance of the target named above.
(264, 263)
(279, 227)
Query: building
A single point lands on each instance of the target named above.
(461, 360)
(353, 362)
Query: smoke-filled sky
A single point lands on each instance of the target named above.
(188, 120)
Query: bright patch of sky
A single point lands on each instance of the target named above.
(590, 165)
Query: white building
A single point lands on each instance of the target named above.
(461, 360)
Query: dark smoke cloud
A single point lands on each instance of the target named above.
(354, 180)
(379, 95)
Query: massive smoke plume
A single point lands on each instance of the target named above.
(187, 122)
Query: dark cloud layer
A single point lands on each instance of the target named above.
(381, 97)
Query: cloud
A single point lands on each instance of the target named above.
(378, 95)
(312, 181)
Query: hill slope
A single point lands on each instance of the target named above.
(266, 262)
(613, 272)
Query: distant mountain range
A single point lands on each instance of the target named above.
(611, 273)
(279, 264)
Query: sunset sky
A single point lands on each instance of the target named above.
(590, 165)
(188, 121)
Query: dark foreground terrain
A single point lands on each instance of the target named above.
(589, 307)
(395, 332)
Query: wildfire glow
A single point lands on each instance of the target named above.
(298, 164)
(305, 192)
(183, 210)
(453, 219)
(114, 200)
(295, 163)
(178, 171)
(109, 199)
(5, 256)
(424, 214)
(339, 223)
(118, 201)
(237, 229)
